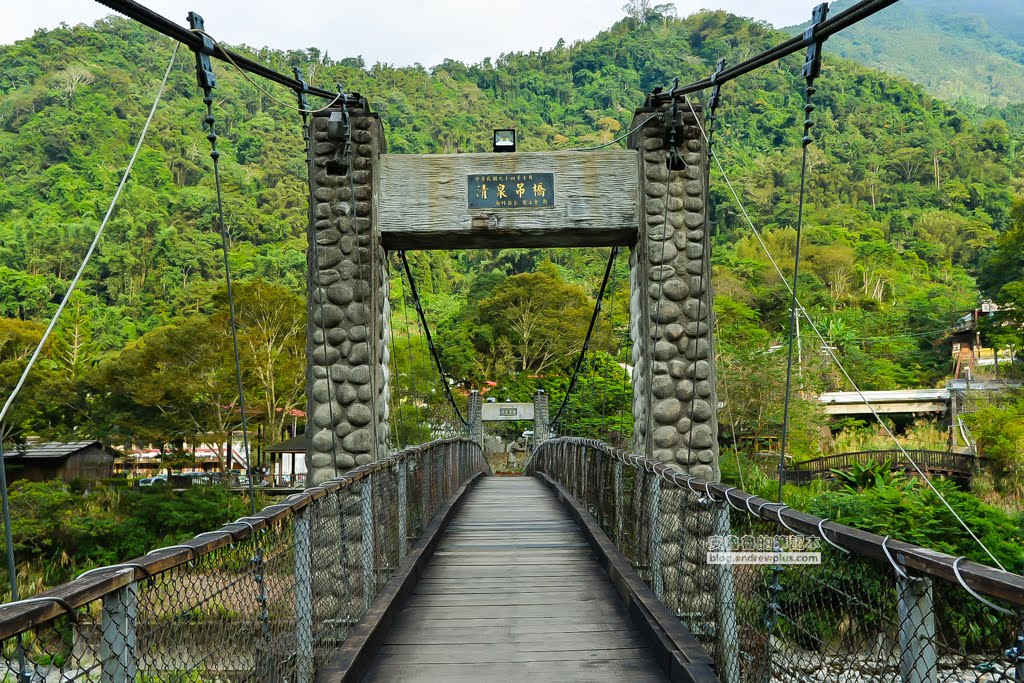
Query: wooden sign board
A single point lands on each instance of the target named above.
(494, 412)
(533, 199)
(511, 190)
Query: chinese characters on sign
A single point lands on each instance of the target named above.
(511, 190)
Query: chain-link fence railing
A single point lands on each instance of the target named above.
(266, 598)
(776, 595)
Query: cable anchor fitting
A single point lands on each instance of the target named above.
(204, 68)
(716, 88)
(301, 92)
(673, 122)
(339, 130)
(812, 66)
(812, 63)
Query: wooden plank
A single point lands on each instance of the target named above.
(495, 604)
(352, 659)
(505, 599)
(456, 611)
(423, 201)
(493, 571)
(565, 586)
(678, 652)
(426, 622)
(511, 634)
(490, 653)
(611, 670)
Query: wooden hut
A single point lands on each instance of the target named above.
(86, 460)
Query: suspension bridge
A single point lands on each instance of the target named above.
(409, 562)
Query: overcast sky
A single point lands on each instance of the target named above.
(397, 32)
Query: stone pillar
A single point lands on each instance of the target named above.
(474, 416)
(347, 281)
(541, 426)
(674, 397)
(675, 401)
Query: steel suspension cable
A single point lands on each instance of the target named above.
(704, 300)
(56, 316)
(586, 341)
(195, 41)
(408, 347)
(430, 340)
(396, 403)
(829, 27)
(211, 135)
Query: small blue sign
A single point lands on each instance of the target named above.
(511, 190)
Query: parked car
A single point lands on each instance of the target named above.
(151, 481)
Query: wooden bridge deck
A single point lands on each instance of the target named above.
(513, 593)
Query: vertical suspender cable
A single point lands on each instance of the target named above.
(207, 81)
(812, 69)
(586, 340)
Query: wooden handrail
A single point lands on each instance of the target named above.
(17, 617)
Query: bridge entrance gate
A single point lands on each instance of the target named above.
(651, 198)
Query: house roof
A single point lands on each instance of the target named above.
(53, 450)
(296, 444)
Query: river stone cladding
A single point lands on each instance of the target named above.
(675, 401)
(348, 381)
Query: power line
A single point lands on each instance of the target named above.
(613, 141)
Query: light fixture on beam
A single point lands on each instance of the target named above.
(504, 140)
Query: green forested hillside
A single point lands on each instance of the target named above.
(907, 196)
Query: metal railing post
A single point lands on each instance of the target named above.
(450, 470)
(426, 468)
(368, 544)
(618, 494)
(916, 616)
(657, 580)
(119, 635)
(403, 508)
(726, 629)
(303, 598)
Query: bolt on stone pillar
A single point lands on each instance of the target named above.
(675, 401)
(347, 282)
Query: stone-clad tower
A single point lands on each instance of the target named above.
(347, 366)
(675, 401)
